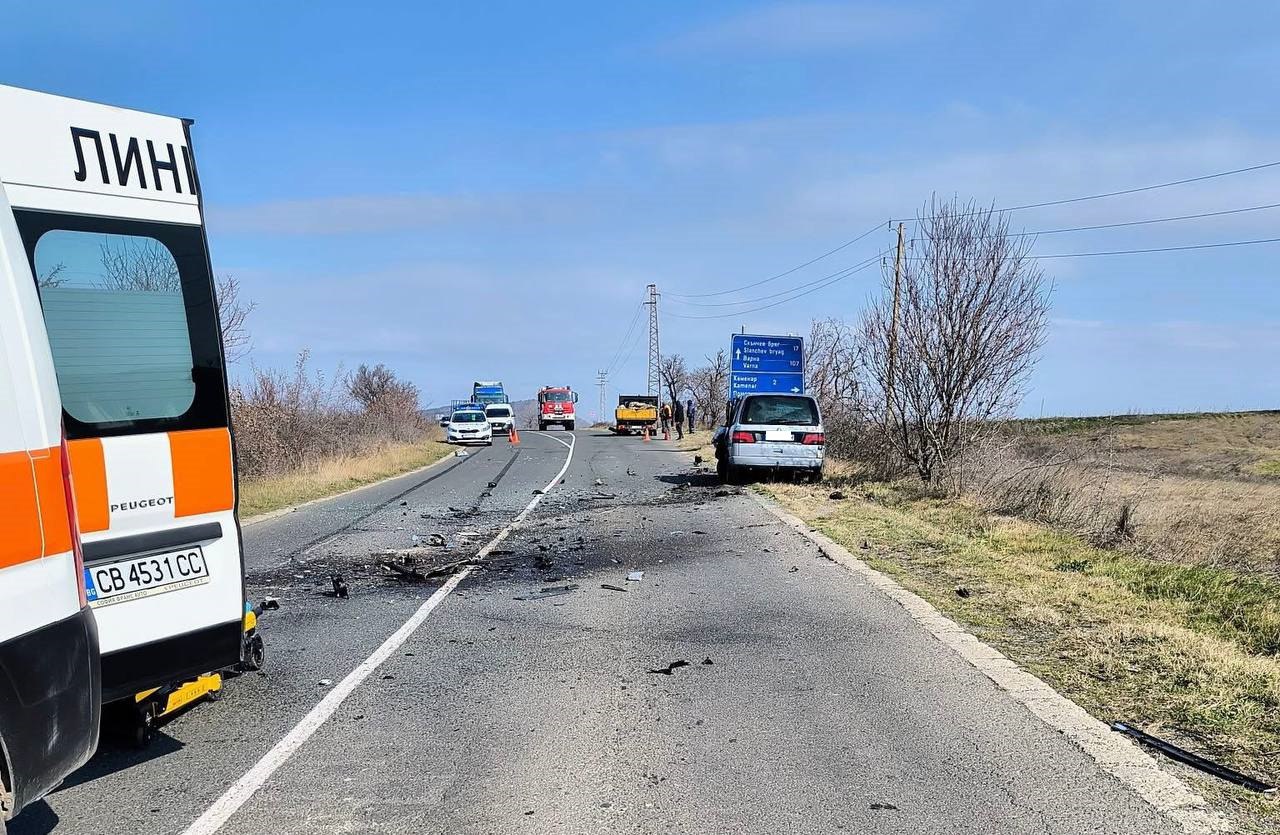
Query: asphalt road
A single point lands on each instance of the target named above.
(809, 703)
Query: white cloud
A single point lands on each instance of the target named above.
(805, 27)
(377, 213)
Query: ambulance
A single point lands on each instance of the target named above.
(101, 215)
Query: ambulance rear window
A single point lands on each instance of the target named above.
(133, 327)
(117, 325)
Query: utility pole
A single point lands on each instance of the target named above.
(655, 356)
(601, 378)
(893, 334)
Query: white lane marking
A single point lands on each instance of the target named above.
(559, 440)
(1113, 753)
(225, 806)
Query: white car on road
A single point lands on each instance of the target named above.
(500, 417)
(469, 426)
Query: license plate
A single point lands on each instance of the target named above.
(117, 582)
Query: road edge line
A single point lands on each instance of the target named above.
(220, 811)
(284, 511)
(1114, 754)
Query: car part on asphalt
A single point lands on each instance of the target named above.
(1185, 757)
(670, 668)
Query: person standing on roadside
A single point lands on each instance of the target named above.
(679, 420)
(664, 414)
(690, 413)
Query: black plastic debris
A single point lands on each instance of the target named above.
(436, 539)
(962, 591)
(697, 459)
(492, 484)
(404, 504)
(707, 662)
(889, 807)
(339, 587)
(720, 494)
(670, 668)
(837, 495)
(539, 492)
(1185, 757)
(611, 587)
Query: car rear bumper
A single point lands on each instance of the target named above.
(50, 703)
(792, 456)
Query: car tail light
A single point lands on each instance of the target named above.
(813, 438)
(70, 495)
(743, 438)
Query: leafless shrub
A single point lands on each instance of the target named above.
(285, 420)
(970, 321)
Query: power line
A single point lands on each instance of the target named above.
(787, 291)
(1159, 249)
(1102, 195)
(1144, 222)
(844, 245)
(623, 344)
(841, 276)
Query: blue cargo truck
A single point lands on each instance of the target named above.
(488, 391)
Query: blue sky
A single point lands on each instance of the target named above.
(470, 191)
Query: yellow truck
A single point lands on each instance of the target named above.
(634, 413)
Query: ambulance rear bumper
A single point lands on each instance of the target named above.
(129, 671)
(50, 704)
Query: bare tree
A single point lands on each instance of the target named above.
(709, 386)
(52, 277)
(142, 264)
(832, 367)
(146, 265)
(674, 375)
(972, 314)
(233, 315)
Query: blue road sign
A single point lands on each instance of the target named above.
(765, 364)
(751, 352)
(742, 382)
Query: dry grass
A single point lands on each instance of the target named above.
(1201, 490)
(1188, 652)
(334, 475)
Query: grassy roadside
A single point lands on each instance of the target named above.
(332, 476)
(1189, 653)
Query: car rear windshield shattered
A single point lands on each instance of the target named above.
(785, 411)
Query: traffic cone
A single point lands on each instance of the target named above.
(513, 437)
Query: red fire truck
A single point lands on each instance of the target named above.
(555, 406)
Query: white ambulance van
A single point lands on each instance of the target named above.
(50, 696)
(101, 212)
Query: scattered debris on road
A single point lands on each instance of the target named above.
(492, 484)
(697, 459)
(339, 587)
(888, 807)
(611, 587)
(1185, 757)
(635, 576)
(549, 591)
(670, 668)
(436, 539)
(707, 662)
(325, 682)
(462, 453)
(836, 494)
(599, 482)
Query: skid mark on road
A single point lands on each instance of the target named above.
(235, 797)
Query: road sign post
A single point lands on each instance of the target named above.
(765, 364)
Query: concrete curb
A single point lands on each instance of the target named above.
(1113, 753)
